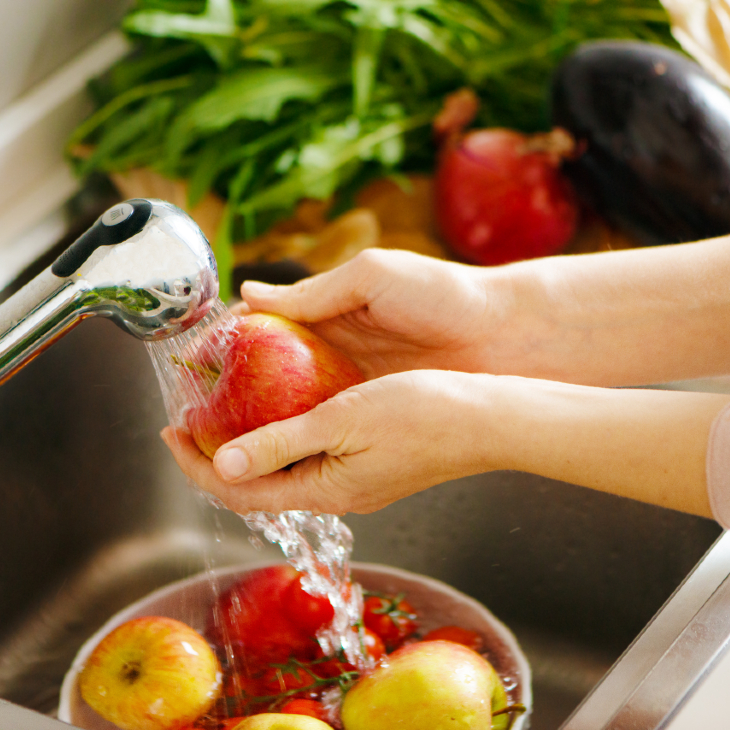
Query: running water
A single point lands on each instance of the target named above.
(319, 546)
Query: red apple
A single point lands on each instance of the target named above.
(151, 673)
(269, 616)
(273, 369)
(434, 684)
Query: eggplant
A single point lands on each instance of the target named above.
(654, 130)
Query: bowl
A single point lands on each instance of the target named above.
(437, 603)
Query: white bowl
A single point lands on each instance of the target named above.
(438, 604)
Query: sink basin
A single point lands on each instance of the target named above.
(95, 514)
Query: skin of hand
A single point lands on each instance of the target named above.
(621, 318)
(390, 437)
(357, 452)
(390, 311)
(633, 317)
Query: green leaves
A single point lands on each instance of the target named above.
(268, 101)
(215, 29)
(254, 94)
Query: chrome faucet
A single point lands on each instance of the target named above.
(144, 263)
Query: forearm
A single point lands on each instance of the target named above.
(649, 445)
(620, 318)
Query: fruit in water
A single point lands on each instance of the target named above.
(457, 634)
(308, 612)
(311, 708)
(273, 369)
(391, 618)
(277, 721)
(151, 673)
(500, 195)
(434, 684)
(260, 615)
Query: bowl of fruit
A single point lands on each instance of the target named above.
(237, 650)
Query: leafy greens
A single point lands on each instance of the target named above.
(269, 101)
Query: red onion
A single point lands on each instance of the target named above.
(500, 195)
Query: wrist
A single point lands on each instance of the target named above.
(645, 444)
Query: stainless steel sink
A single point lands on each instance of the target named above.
(94, 514)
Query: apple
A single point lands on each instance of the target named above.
(151, 673)
(434, 684)
(277, 721)
(272, 369)
(270, 616)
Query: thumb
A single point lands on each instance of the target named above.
(274, 446)
(317, 298)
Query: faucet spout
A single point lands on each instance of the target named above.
(145, 264)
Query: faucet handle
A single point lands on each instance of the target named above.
(116, 225)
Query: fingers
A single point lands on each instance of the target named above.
(282, 490)
(273, 447)
(321, 297)
(248, 473)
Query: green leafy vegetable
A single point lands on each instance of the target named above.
(269, 101)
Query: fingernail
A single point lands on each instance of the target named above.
(257, 288)
(231, 464)
(166, 436)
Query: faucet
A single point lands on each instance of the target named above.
(145, 264)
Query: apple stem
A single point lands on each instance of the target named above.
(515, 709)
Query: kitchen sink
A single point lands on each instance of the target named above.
(94, 514)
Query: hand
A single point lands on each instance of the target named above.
(390, 311)
(357, 452)
(632, 317)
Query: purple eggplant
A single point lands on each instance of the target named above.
(655, 132)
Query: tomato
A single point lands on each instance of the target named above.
(457, 635)
(393, 619)
(230, 723)
(309, 613)
(374, 645)
(311, 708)
(277, 680)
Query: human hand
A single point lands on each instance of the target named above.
(390, 311)
(359, 451)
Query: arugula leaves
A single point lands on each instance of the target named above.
(269, 101)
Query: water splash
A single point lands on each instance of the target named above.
(319, 546)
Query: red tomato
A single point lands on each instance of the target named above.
(252, 613)
(393, 619)
(309, 613)
(333, 667)
(230, 723)
(457, 635)
(311, 708)
(374, 645)
(277, 680)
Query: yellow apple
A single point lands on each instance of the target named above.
(277, 721)
(151, 673)
(434, 685)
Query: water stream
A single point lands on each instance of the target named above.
(319, 546)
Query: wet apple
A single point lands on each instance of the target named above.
(151, 673)
(434, 684)
(272, 369)
(277, 721)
